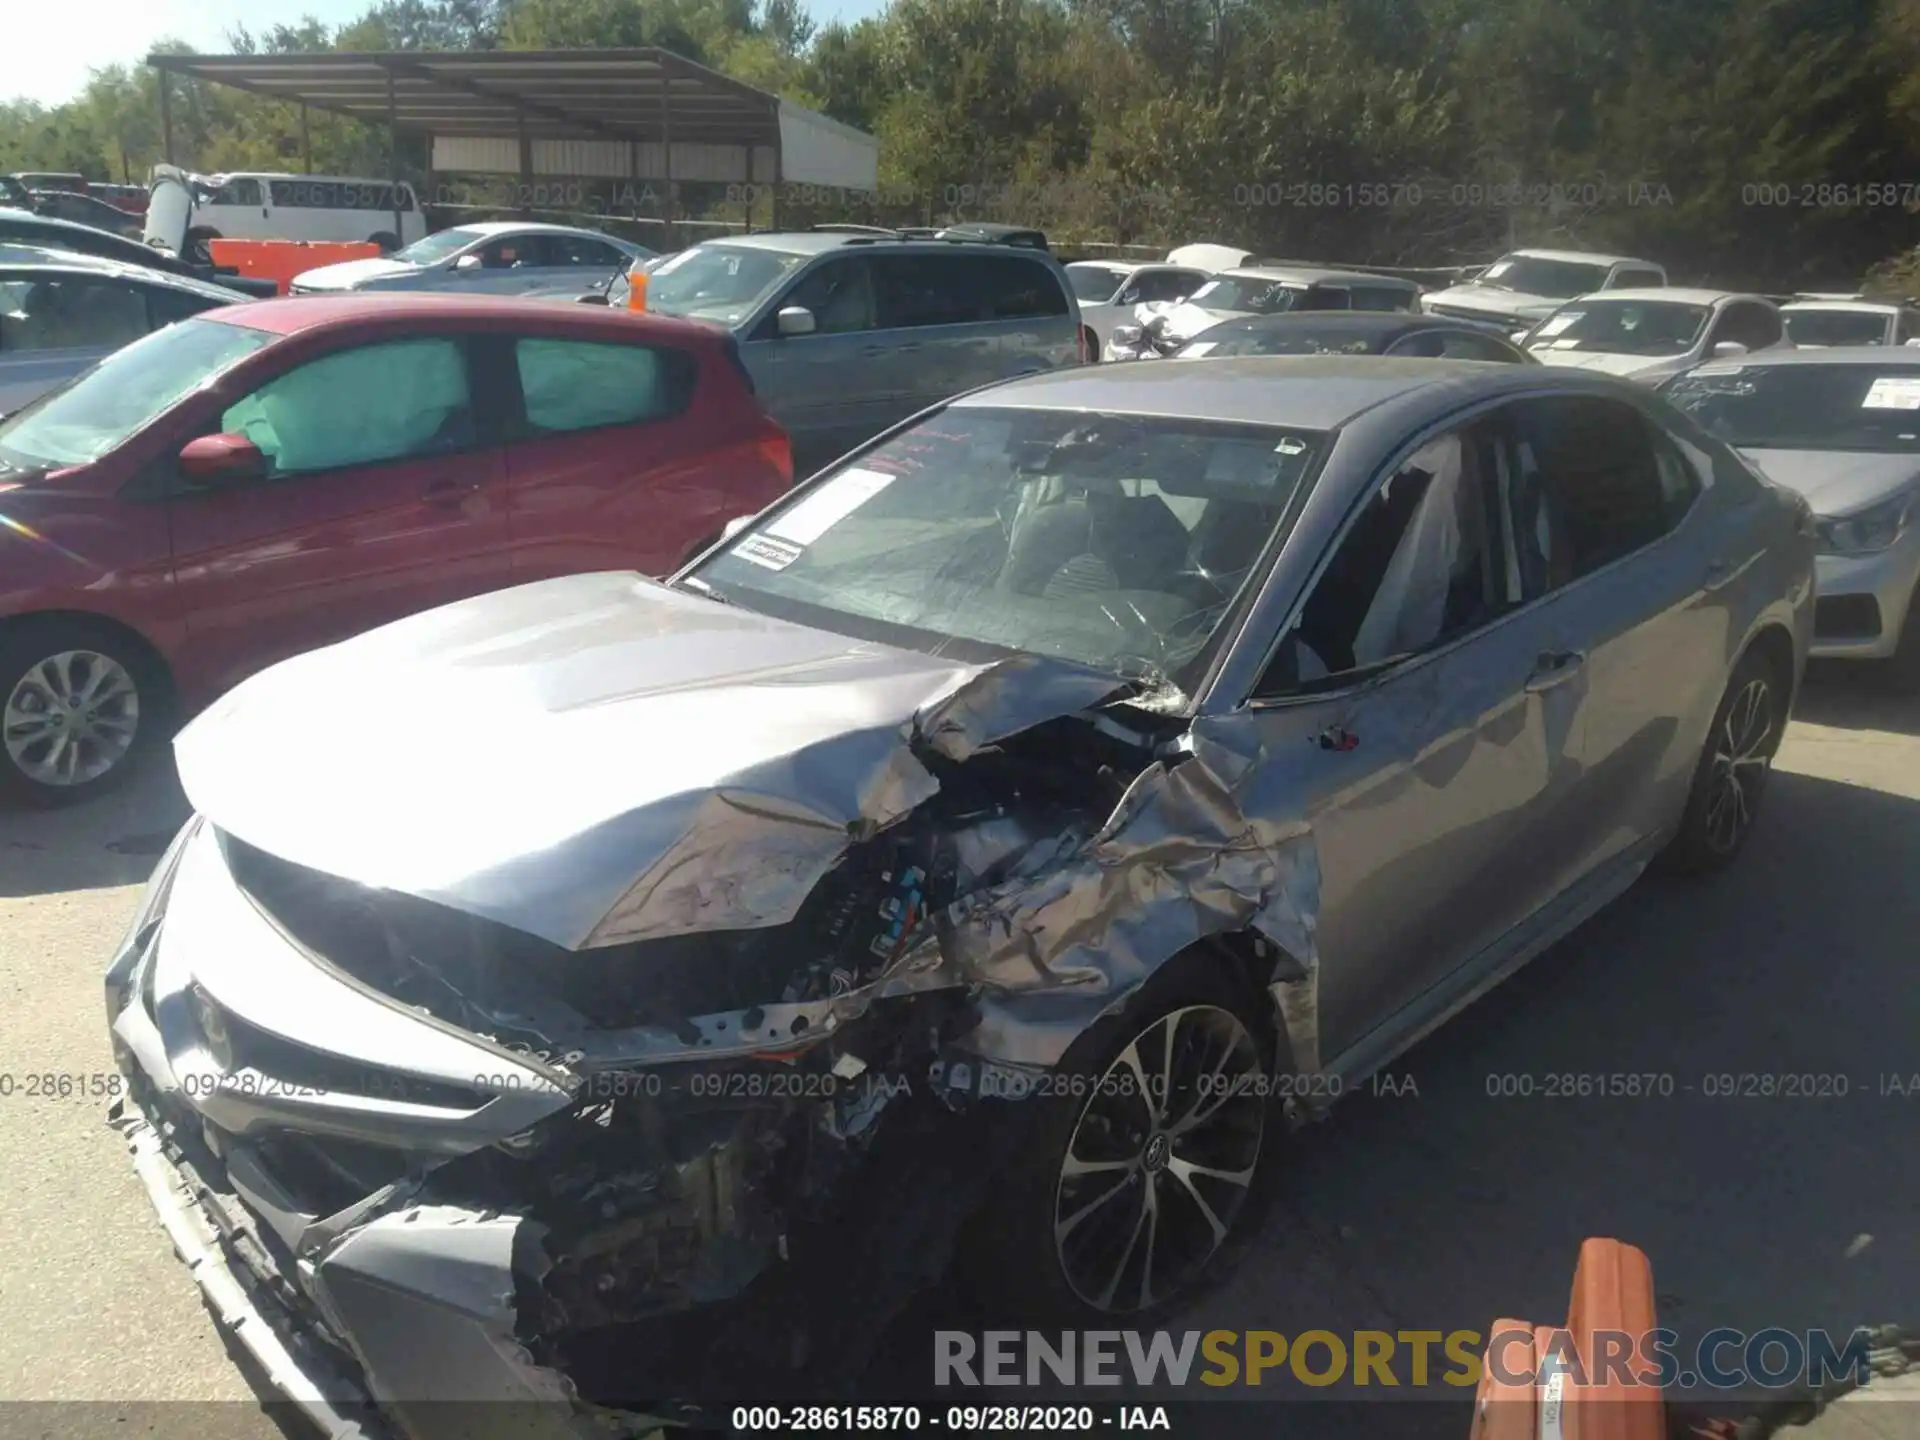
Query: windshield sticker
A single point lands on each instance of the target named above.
(1893, 392)
(1706, 370)
(829, 505)
(767, 553)
(1559, 322)
(1291, 446)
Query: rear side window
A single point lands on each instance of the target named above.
(1011, 287)
(574, 385)
(579, 250)
(241, 190)
(1606, 490)
(64, 312)
(164, 307)
(916, 290)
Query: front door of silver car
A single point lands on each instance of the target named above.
(1419, 715)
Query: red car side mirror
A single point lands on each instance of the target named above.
(222, 460)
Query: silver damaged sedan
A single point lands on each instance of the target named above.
(936, 867)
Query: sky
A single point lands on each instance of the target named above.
(48, 49)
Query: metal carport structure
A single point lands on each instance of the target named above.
(634, 114)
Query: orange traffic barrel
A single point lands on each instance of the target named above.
(281, 260)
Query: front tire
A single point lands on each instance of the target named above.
(1143, 1152)
(1731, 778)
(79, 708)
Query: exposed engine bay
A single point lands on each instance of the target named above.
(689, 1182)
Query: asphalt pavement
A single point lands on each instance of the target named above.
(1437, 1203)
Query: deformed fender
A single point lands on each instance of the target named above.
(1179, 860)
(427, 1298)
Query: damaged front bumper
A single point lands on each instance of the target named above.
(393, 1316)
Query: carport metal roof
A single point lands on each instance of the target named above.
(633, 95)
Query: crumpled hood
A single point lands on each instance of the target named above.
(349, 274)
(1837, 482)
(599, 758)
(1495, 303)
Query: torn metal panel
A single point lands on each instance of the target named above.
(1178, 861)
(1006, 698)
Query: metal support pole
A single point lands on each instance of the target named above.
(753, 152)
(166, 114)
(393, 159)
(779, 165)
(526, 168)
(666, 148)
(306, 142)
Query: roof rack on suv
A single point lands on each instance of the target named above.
(879, 232)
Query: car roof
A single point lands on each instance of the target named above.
(40, 257)
(1311, 392)
(402, 309)
(1589, 257)
(1891, 356)
(1314, 275)
(1678, 294)
(1357, 322)
(821, 242)
(290, 175)
(528, 227)
(1848, 307)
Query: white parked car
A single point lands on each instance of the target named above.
(59, 313)
(1109, 289)
(1648, 335)
(1528, 285)
(1841, 425)
(1814, 323)
(1253, 290)
(186, 211)
(499, 258)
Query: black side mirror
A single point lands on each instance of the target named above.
(592, 297)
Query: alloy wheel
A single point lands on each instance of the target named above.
(1743, 748)
(1161, 1160)
(71, 718)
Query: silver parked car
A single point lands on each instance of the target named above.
(1156, 330)
(1649, 335)
(1526, 286)
(496, 258)
(990, 820)
(59, 313)
(1842, 427)
(848, 332)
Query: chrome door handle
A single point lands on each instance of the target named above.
(1555, 667)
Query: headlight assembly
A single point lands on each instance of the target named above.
(1871, 530)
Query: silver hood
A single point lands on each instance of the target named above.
(1492, 302)
(1838, 482)
(599, 758)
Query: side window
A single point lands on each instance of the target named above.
(1908, 328)
(579, 250)
(164, 307)
(242, 190)
(1329, 297)
(375, 403)
(840, 294)
(1632, 278)
(1591, 486)
(1014, 288)
(1421, 345)
(917, 290)
(63, 312)
(510, 252)
(1422, 565)
(1382, 297)
(578, 385)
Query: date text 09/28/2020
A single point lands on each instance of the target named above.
(954, 1419)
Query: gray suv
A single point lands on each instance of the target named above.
(845, 335)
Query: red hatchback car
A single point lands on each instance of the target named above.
(267, 478)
